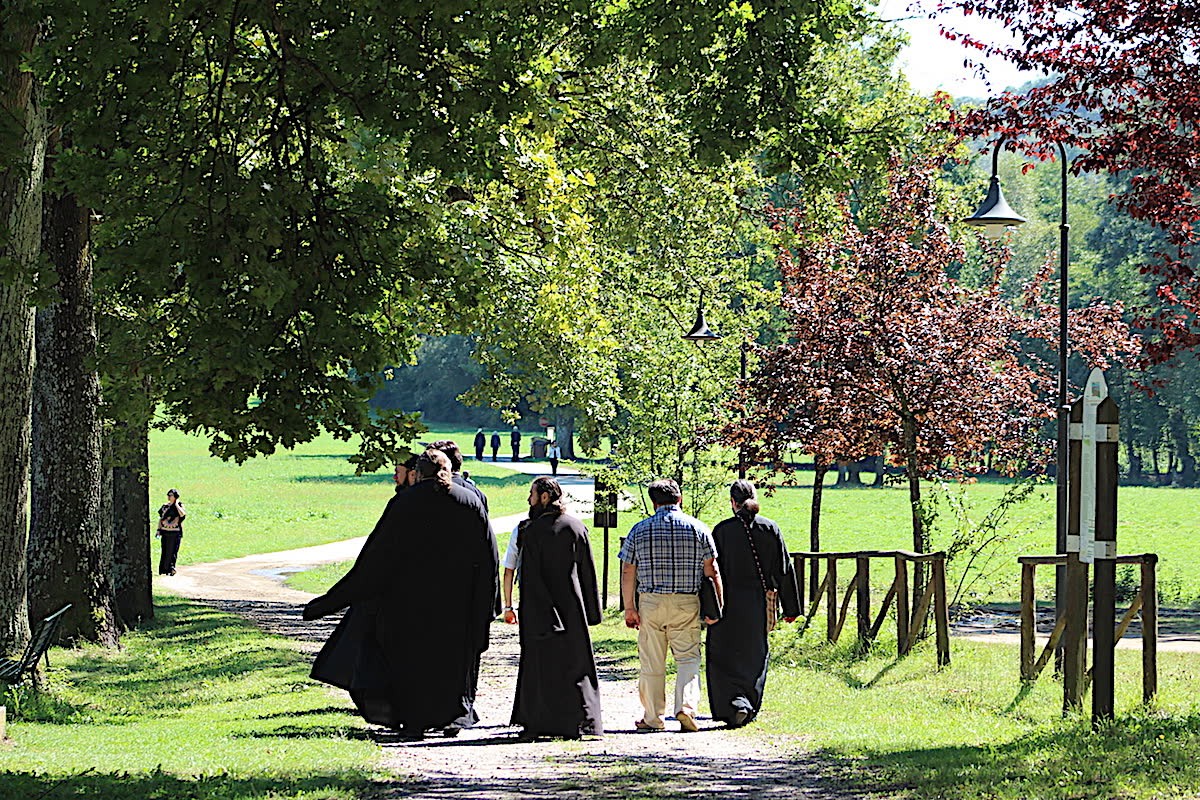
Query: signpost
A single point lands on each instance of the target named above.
(1092, 539)
(604, 515)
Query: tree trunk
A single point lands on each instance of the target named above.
(1187, 462)
(880, 471)
(131, 520)
(814, 526)
(70, 555)
(22, 140)
(1135, 462)
(564, 434)
(920, 543)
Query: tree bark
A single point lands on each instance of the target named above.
(70, 545)
(1187, 462)
(131, 520)
(564, 434)
(22, 139)
(920, 543)
(814, 526)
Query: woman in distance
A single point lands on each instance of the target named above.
(754, 565)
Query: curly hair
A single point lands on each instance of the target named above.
(434, 465)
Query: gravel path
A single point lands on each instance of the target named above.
(487, 761)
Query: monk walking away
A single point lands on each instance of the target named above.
(421, 597)
(558, 693)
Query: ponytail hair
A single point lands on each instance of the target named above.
(745, 497)
(434, 465)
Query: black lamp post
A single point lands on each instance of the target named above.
(700, 332)
(994, 215)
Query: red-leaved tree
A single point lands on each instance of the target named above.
(1124, 91)
(886, 350)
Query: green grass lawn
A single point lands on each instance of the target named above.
(297, 498)
(198, 705)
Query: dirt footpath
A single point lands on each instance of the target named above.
(487, 762)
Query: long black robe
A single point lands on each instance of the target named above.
(558, 693)
(422, 594)
(736, 665)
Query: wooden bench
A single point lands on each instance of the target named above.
(13, 672)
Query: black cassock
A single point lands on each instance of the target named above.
(422, 595)
(558, 693)
(736, 664)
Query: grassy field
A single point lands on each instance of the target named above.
(297, 498)
(197, 705)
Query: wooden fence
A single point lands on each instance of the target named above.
(1145, 603)
(908, 627)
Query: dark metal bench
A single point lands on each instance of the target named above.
(12, 672)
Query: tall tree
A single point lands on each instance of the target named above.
(22, 144)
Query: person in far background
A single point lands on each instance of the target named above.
(480, 441)
(554, 454)
(495, 442)
(170, 531)
(515, 439)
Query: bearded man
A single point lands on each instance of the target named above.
(558, 693)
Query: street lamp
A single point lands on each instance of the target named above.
(700, 332)
(994, 216)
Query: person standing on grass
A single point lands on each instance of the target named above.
(515, 439)
(663, 560)
(495, 443)
(554, 453)
(754, 561)
(427, 579)
(558, 692)
(480, 441)
(170, 531)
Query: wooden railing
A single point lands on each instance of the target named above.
(1144, 603)
(908, 628)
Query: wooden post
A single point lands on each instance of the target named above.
(1074, 662)
(1104, 603)
(1028, 622)
(798, 568)
(831, 599)
(941, 612)
(864, 603)
(604, 585)
(1149, 628)
(901, 606)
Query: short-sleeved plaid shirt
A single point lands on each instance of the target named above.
(669, 549)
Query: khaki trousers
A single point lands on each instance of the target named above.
(668, 620)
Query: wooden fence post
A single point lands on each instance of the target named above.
(1104, 601)
(1028, 622)
(902, 607)
(864, 603)
(831, 598)
(1074, 662)
(1149, 627)
(941, 611)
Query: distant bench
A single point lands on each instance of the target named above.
(13, 672)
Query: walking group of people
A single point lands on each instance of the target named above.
(423, 592)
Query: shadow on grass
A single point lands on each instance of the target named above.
(123, 786)
(314, 732)
(1142, 754)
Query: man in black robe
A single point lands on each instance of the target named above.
(515, 439)
(495, 443)
(480, 442)
(422, 595)
(451, 451)
(558, 693)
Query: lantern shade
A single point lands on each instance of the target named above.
(700, 332)
(994, 213)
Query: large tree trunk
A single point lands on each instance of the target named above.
(814, 526)
(1187, 462)
(22, 156)
(564, 433)
(131, 520)
(70, 544)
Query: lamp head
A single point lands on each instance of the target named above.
(994, 214)
(700, 332)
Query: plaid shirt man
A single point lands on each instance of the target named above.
(669, 549)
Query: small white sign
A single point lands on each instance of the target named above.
(1093, 394)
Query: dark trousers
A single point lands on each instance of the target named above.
(554, 466)
(479, 453)
(170, 551)
(494, 451)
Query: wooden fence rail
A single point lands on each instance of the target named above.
(908, 627)
(1145, 603)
